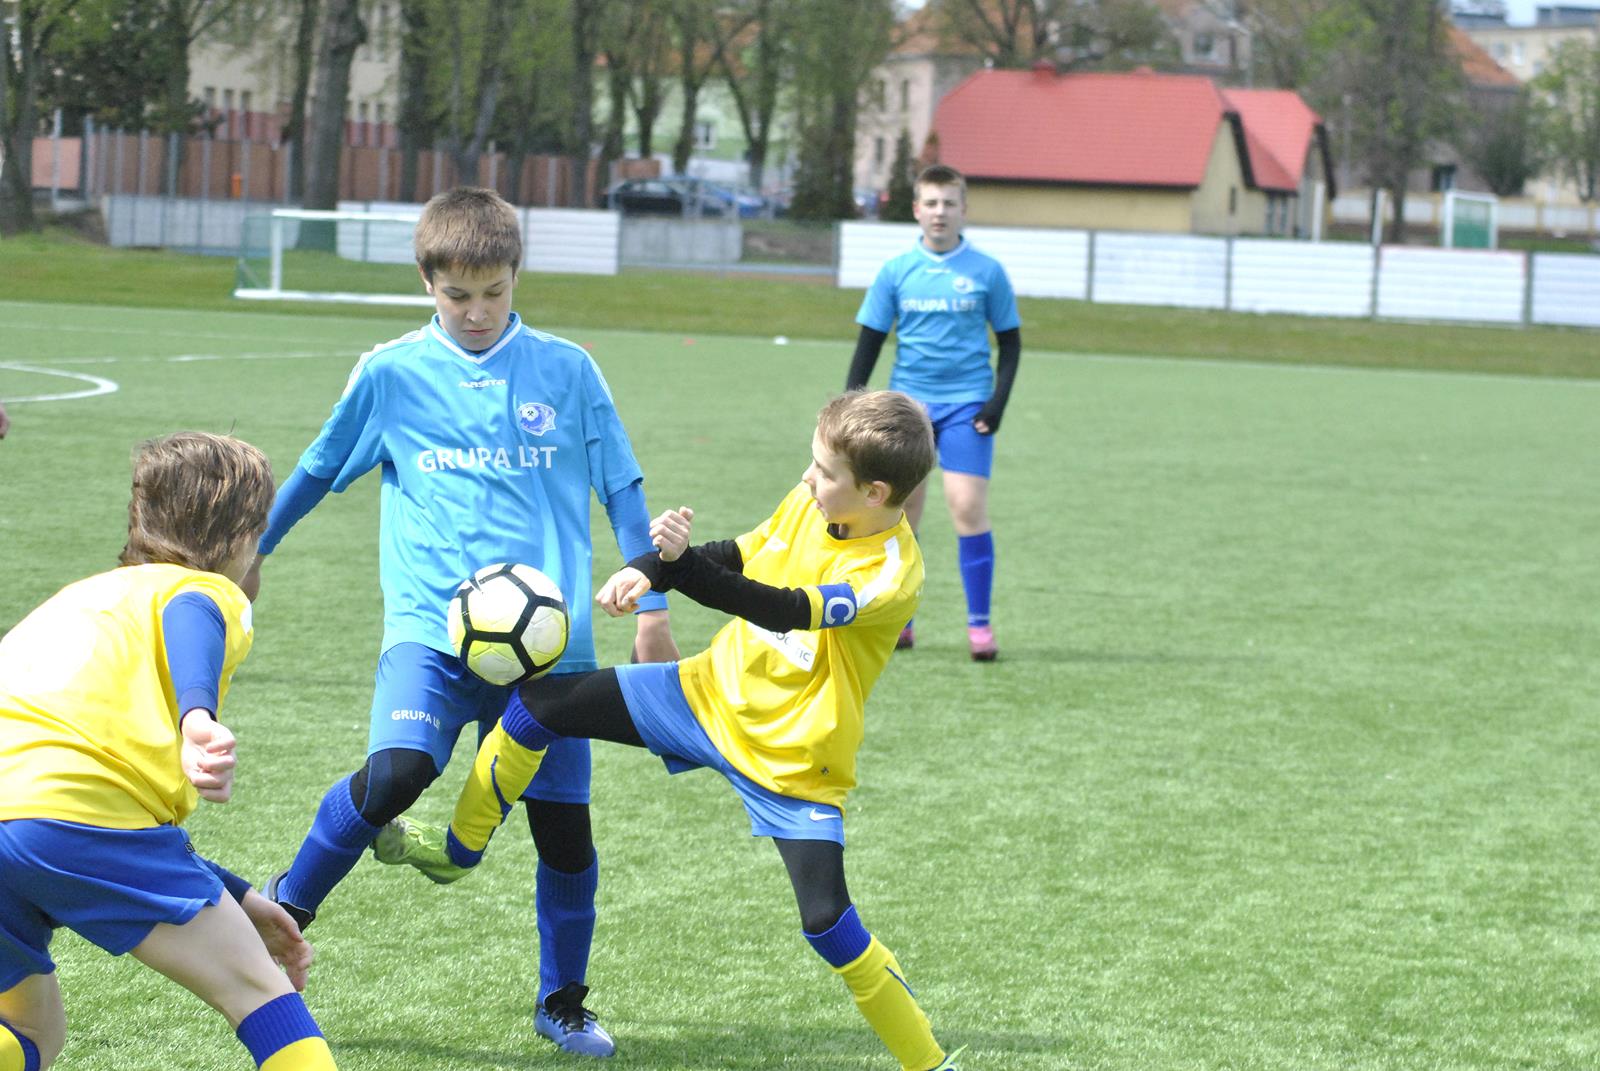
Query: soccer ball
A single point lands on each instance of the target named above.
(508, 623)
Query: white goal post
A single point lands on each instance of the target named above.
(577, 241)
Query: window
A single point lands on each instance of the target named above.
(211, 98)
(1500, 51)
(227, 113)
(1516, 54)
(1205, 45)
(905, 94)
(1233, 200)
(880, 94)
(1444, 177)
(877, 152)
(244, 114)
(705, 135)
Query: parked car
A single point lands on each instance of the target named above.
(668, 197)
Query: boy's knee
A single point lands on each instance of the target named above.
(391, 782)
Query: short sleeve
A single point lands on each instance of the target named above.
(351, 441)
(612, 465)
(878, 306)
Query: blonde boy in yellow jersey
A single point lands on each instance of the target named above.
(820, 592)
(108, 739)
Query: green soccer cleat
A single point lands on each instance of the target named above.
(417, 844)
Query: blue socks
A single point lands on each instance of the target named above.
(565, 905)
(275, 1026)
(844, 941)
(337, 838)
(976, 554)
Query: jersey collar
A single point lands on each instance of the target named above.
(442, 337)
(939, 258)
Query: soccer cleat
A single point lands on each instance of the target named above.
(302, 917)
(981, 639)
(906, 641)
(949, 1062)
(417, 844)
(565, 1021)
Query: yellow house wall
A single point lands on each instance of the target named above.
(1225, 173)
(1087, 207)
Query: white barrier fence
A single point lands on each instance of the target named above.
(582, 241)
(1263, 275)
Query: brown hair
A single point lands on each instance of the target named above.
(199, 500)
(940, 175)
(467, 228)
(883, 435)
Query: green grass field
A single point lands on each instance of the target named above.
(1289, 764)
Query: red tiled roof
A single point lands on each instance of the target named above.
(1479, 67)
(1278, 128)
(1138, 129)
(1132, 129)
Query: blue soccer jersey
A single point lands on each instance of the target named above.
(941, 306)
(486, 457)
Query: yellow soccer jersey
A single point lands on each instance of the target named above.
(787, 709)
(88, 716)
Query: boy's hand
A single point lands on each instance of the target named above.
(285, 943)
(620, 595)
(670, 533)
(208, 755)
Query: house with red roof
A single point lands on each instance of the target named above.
(1134, 151)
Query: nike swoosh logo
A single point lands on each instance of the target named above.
(818, 816)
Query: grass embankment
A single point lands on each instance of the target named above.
(60, 267)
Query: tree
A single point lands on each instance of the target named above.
(587, 23)
(1569, 113)
(306, 13)
(103, 63)
(181, 23)
(1404, 84)
(414, 116)
(34, 23)
(902, 182)
(343, 32)
(754, 44)
(473, 88)
(691, 26)
(536, 105)
(1502, 144)
(1111, 34)
(838, 43)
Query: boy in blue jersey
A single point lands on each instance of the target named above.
(109, 694)
(776, 704)
(941, 298)
(490, 437)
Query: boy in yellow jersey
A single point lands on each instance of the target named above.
(108, 738)
(820, 592)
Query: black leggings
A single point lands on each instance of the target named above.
(393, 779)
(591, 705)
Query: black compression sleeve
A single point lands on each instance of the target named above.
(712, 584)
(1005, 375)
(868, 345)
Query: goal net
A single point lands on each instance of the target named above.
(1469, 220)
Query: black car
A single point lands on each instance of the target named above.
(666, 197)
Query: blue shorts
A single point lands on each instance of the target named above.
(961, 448)
(423, 698)
(112, 886)
(661, 713)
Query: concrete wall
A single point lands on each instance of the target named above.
(1222, 205)
(653, 240)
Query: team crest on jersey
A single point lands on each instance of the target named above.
(961, 284)
(536, 418)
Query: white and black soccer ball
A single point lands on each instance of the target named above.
(508, 622)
